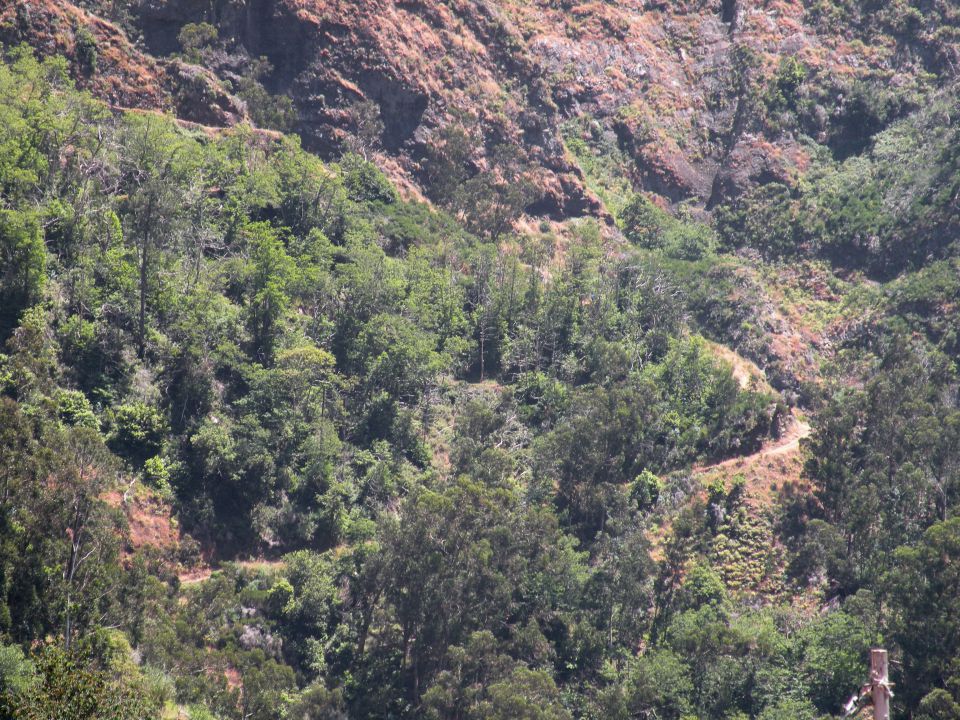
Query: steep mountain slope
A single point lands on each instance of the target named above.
(699, 94)
(652, 410)
(106, 62)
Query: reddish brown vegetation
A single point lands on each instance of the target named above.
(662, 75)
(123, 76)
(148, 518)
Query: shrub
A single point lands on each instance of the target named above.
(194, 38)
(267, 110)
(703, 586)
(763, 219)
(86, 50)
(645, 490)
(137, 431)
(73, 408)
(16, 671)
(156, 472)
(365, 182)
(783, 92)
(644, 223)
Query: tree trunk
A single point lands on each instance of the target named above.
(142, 320)
(69, 573)
(144, 276)
(483, 334)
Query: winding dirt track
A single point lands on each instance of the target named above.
(786, 444)
(748, 374)
(790, 441)
(777, 465)
(784, 451)
(194, 576)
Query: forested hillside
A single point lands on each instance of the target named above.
(543, 381)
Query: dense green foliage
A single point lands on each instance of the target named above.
(457, 441)
(891, 208)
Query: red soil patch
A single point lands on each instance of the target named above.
(151, 524)
(234, 678)
(746, 372)
(148, 517)
(195, 575)
(124, 75)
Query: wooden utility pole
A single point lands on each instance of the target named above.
(877, 688)
(880, 685)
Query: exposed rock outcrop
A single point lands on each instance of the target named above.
(104, 61)
(680, 82)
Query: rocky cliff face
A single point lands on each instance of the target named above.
(423, 65)
(103, 60)
(691, 89)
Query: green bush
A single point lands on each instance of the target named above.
(86, 50)
(194, 38)
(74, 409)
(646, 489)
(17, 673)
(644, 223)
(782, 94)
(365, 182)
(156, 473)
(136, 431)
(23, 265)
